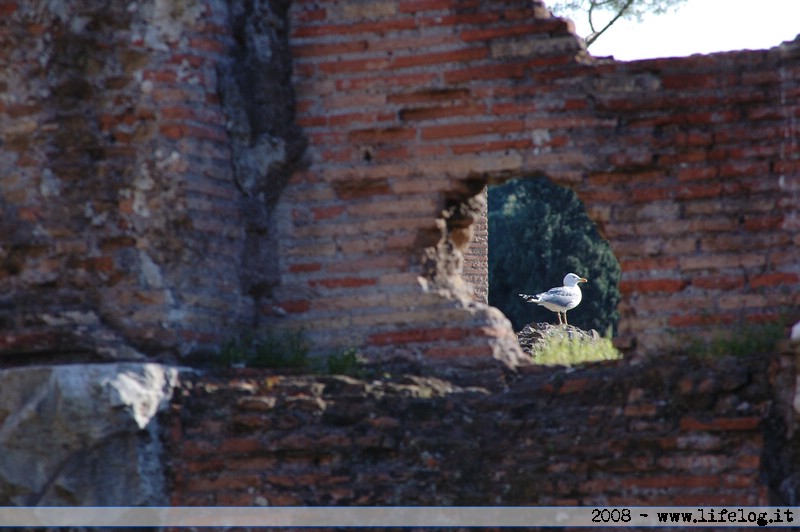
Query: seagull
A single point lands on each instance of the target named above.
(561, 298)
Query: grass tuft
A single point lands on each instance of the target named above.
(748, 339)
(558, 350)
(273, 349)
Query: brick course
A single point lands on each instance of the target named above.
(176, 177)
(659, 432)
(681, 162)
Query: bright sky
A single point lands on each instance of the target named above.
(699, 26)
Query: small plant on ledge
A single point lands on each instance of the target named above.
(272, 349)
(744, 340)
(565, 351)
(287, 349)
(551, 345)
(349, 362)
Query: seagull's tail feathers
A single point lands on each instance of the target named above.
(529, 299)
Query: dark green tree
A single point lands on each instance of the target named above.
(539, 232)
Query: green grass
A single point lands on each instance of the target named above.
(287, 349)
(348, 362)
(273, 349)
(565, 351)
(744, 340)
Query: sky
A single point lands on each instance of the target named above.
(699, 26)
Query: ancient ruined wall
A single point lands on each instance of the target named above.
(689, 167)
(157, 196)
(696, 186)
(663, 432)
(135, 193)
(146, 151)
(475, 271)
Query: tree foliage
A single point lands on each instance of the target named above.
(602, 14)
(539, 232)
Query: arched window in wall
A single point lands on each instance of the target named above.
(538, 232)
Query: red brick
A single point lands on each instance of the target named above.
(666, 482)
(240, 445)
(344, 282)
(648, 410)
(305, 267)
(507, 71)
(381, 135)
(709, 190)
(649, 263)
(721, 423)
(774, 279)
(208, 45)
(574, 385)
(324, 213)
(8, 8)
(749, 461)
(207, 465)
(416, 6)
(652, 285)
(430, 113)
(295, 306)
(455, 56)
(719, 282)
(355, 65)
(315, 50)
(224, 481)
(492, 33)
(471, 129)
(470, 351)
(763, 223)
(697, 173)
(489, 146)
(360, 28)
(432, 95)
(417, 335)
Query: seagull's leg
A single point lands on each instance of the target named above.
(565, 318)
(559, 317)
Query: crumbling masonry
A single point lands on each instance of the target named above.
(175, 172)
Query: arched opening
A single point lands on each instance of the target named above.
(538, 232)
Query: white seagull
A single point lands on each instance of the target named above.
(561, 298)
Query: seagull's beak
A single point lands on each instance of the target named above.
(582, 280)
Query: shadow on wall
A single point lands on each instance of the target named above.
(538, 232)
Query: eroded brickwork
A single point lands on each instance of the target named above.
(663, 432)
(126, 231)
(689, 167)
(158, 195)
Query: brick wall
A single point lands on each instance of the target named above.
(689, 167)
(126, 229)
(158, 194)
(678, 432)
(475, 271)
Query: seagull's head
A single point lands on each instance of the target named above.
(572, 279)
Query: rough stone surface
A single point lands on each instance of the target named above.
(135, 165)
(687, 165)
(174, 173)
(645, 432)
(535, 333)
(83, 434)
(157, 196)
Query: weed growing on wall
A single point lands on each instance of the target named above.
(747, 339)
(288, 349)
(272, 349)
(557, 350)
(348, 362)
